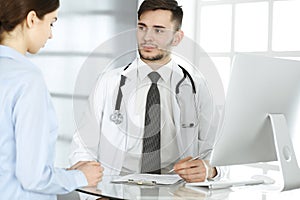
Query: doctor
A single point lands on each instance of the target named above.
(123, 124)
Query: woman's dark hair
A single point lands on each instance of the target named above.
(14, 12)
(171, 5)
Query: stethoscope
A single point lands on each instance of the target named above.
(117, 116)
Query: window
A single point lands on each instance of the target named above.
(267, 27)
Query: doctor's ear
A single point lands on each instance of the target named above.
(177, 37)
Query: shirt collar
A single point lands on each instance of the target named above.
(165, 71)
(8, 52)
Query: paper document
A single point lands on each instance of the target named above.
(149, 179)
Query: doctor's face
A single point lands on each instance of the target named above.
(156, 35)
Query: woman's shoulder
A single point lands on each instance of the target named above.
(20, 73)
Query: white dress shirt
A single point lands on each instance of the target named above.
(169, 149)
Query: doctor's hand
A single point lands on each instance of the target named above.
(194, 170)
(92, 170)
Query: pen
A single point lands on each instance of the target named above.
(201, 156)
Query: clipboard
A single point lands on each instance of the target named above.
(149, 179)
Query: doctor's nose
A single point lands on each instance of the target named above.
(149, 35)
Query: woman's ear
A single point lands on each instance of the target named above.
(177, 37)
(31, 19)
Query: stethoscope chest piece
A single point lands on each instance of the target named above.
(116, 117)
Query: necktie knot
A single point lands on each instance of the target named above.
(154, 77)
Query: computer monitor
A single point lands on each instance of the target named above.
(262, 115)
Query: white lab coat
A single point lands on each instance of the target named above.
(97, 137)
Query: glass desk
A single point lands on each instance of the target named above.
(108, 190)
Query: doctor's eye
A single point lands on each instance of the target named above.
(159, 30)
(142, 28)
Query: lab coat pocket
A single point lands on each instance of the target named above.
(189, 138)
(186, 101)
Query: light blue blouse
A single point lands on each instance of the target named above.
(28, 131)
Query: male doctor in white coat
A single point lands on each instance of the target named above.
(119, 144)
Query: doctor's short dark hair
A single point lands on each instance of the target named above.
(171, 5)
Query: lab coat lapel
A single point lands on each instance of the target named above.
(176, 77)
(117, 135)
(128, 89)
(185, 136)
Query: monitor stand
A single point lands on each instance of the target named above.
(285, 153)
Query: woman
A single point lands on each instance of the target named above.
(28, 126)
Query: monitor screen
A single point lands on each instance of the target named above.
(258, 86)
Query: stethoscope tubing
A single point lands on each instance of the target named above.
(117, 116)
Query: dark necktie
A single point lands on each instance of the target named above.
(151, 141)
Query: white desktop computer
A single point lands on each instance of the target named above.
(262, 116)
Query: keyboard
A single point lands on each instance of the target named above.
(222, 184)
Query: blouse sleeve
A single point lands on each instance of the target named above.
(35, 134)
